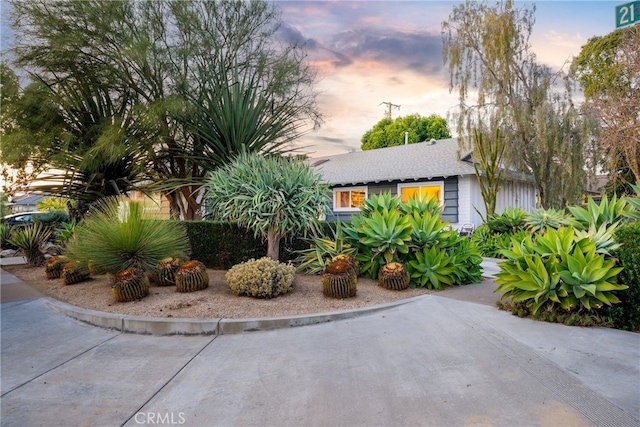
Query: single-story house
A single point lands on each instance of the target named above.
(430, 168)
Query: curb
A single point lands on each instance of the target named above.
(185, 326)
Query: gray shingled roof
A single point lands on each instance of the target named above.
(403, 162)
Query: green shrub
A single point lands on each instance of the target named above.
(5, 236)
(115, 236)
(626, 314)
(558, 270)
(29, 239)
(222, 245)
(261, 278)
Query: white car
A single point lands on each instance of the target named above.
(22, 218)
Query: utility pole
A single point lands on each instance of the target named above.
(389, 107)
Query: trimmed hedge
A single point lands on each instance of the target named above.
(626, 314)
(222, 245)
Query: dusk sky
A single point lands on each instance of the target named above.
(370, 52)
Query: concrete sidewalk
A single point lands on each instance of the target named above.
(435, 361)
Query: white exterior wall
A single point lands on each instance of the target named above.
(512, 194)
(516, 194)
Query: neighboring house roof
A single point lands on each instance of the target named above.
(404, 162)
(28, 199)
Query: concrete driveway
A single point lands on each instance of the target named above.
(436, 361)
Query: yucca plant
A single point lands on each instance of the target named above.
(339, 280)
(29, 240)
(322, 250)
(5, 235)
(129, 285)
(116, 236)
(395, 276)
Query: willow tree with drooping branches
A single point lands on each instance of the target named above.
(502, 86)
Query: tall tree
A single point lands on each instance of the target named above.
(274, 196)
(157, 57)
(500, 85)
(388, 132)
(489, 168)
(608, 69)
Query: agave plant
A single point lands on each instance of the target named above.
(380, 203)
(634, 203)
(539, 219)
(607, 211)
(559, 269)
(387, 234)
(115, 236)
(427, 229)
(422, 206)
(29, 240)
(431, 269)
(510, 221)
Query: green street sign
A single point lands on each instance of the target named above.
(627, 14)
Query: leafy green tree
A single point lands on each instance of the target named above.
(157, 58)
(501, 86)
(608, 69)
(388, 133)
(275, 196)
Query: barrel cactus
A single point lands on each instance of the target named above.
(350, 259)
(339, 280)
(394, 275)
(129, 285)
(191, 276)
(73, 273)
(54, 265)
(165, 272)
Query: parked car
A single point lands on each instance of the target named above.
(21, 219)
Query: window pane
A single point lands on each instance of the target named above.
(342, 199)
(408, 192)
(357, 198)
(431, 191)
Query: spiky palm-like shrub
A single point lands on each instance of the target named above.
(191, 276)
(274, 196)
(129, 285)
(339, 280)
(54, 265)
(322, 250)
(73, 273)
(394, 276)
(29, 239)
(165, 272)
(116, 236)
(261, 278)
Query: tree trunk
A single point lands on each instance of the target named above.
(273, 245)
